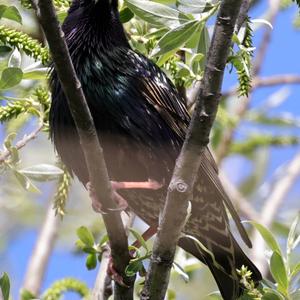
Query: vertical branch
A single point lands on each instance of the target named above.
(93, 152)
(180, 189)
(38, 262)
(103, 289)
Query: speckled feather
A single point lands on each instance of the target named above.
(142, 122)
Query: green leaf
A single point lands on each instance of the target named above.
(193, 6)
(103, 240)
(126, 15)
(267, 236)
(27, 295)
(139, 238)
(295, 295)
(4, 50)
(36, 74)
(91, 261)
(176, 37)
(15, 59)
(5, 286)
(292, 237)
(11, 12)
(272, 295)
(214, 296)
(25, 182)
(181, 272)
(295, 270)
(85, 236)
(10, 77)
(42, 172)
(134, 267)
(155, 13)
(278, 271)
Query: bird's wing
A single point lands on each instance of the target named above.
(159, 91)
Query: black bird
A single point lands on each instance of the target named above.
(142, 122)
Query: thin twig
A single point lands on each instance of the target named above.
(38, 262)
(103, 287)
(23, 142)
(272, 206)
(180, 189)
(89, 141)
(258, 82)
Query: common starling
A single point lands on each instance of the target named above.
(142, 121)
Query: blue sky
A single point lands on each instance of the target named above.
(282, 58)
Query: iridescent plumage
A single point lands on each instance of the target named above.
(142, 122)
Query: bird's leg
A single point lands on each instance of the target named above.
(111, 271)
(121, 202)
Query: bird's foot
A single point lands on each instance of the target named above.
(119, 200)
(96, 204)
(114, 275)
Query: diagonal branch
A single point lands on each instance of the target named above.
(88, 138)
(22, 143)
(187, 165)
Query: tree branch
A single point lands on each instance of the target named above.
(88, 139)
(38, 262)
(23, 142)
(102, 289)
(272, 206)
(180, 189)
(258, 82)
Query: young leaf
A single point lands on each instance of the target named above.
(272, 295)
(292, 237)
(295, 270)
(278, 271)
(15, 59)
(176, 37)
(85, 236)
(126, 15)
(134, 267)
(5, 286)
(267, 236)
(11, 13)
(37, 74)
(91, 261)
(42, 172)
(10, 77)
(181, 272)
(25, 182)
(139, 238)
(156, 13)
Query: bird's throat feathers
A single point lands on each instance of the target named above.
(93, 25)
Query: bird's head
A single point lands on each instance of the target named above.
(94, 22)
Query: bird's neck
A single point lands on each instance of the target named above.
(94, 31)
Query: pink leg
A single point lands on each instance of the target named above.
(121, 202)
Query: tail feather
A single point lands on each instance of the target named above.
(228, 281)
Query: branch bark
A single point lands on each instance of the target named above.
(89, 140)
(38, 262)
(188, 162)
(272, 206)
(258, 82)
(102, 289)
